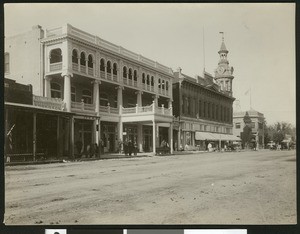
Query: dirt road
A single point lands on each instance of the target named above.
(208, 188)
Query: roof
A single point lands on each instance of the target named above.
(223, 47)
(251, 112)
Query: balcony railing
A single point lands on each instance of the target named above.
(125, 80)
(148, 109)
(55, 66)
(90, 71)
(109, 76)
(83, 69)
(75, 66)
(135, 83)
(152, 89)
(102, 74)
(130, 82)
(49, 103)
(144, 86)
(115, 78)
(83, 106)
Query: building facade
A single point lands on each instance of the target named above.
(113, 94)
(257, 125)
(203, 107)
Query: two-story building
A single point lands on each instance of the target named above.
(113, 93)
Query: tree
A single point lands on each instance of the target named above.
(246, 136)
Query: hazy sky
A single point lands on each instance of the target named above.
(260, 39)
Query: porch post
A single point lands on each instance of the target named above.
(120, 95)
(139, 98)
(140, 137)
(47, 92)
(171, 138)
(67, 90)
(72, 137)
(154, 136)
(96, 96)
(34, 137)
(57, 137)
(155, 99)
(99, 138)
(120, 133)
(179, 137)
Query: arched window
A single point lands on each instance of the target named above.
(143, 78)
(103, 99)
(167, 85)
(159, 84)
(152, 81)
(124, 72)
(87, 96)
(102, 65)
(135, 75)
(148, 80)
(90, 61)
(75, 57)
(130, 74)
(108, 67)
(115, 69)
(55, 56)
(82, 59)
(55, 90)
(163, 84)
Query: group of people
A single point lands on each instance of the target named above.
(90, 151)
(130, 147)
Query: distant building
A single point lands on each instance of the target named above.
(257, 125)
(203, 107)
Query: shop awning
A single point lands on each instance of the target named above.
(202, 136)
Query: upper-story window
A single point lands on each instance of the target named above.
(130, 74)
(82, 59)
(124, 72)
(152, 81)
(55, 90)
(73, 94)
(163, 84)
(135, 75)
(102, 65)
(115, 69)
(103, 99)
(148, 80)
(74, 56)
(143, 78)
(167, 85)
(237, 125)
(55, 56)
(87, 96)
(90, 61)
(108, 67)
(159, 84)
(6, 63)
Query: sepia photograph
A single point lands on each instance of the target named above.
(150, 114)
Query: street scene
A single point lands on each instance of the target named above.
(207, 188)
(149, 114)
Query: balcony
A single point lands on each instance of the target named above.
(83, 69)
(48, 103)
(147, 109)
(109, 76)
(75, 66)
(81, 106)
(55, 66)
(90, 71)
(102, 74)
(115, 78)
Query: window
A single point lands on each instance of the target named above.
(6, 62)
(148, 80)
(73, 94)
(90, 61)
(75, 57)
(102, 65)
(55, 56)
(115, 69)
(55, 90)
(103, 99)
(82, 59)
(87, 96)
(159, 84)
(130, 74)
(237, 125)
(108, 67)
(167, 85)
(143, 78)
(200, 109)
(135, 75)
(163, 84)
(124, 72)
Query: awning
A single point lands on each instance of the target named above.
(215, 137)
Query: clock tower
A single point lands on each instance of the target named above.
(223, 73)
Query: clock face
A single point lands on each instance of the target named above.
(221, 70)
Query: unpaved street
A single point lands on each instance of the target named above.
(207, 188)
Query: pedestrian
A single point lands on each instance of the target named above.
(130, 147)
(135, 148)
(125, 147)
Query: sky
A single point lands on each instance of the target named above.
(260, 38)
